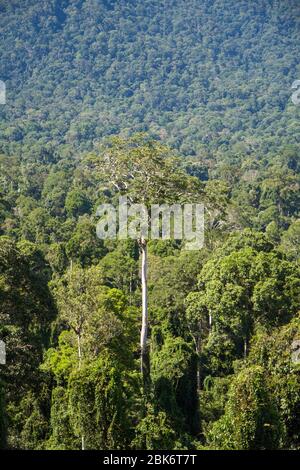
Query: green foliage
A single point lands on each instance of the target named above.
(77, 203)
(197, 98)
(84, 247)
(62, 436)
(2, 418)
(61, 360)
(26, 312)
(144, 169)
(250, 421)
(154, 432)
(173, 372)
(238, 290)
(273, 352)
(120, 270)
(205, 76)
(290, 241)
(97, 405)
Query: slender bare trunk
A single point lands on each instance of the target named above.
(79, 350)
(209, 322)
(130, 289)
(144, 330)
(79, 365)
(198, 349)
(245, 348)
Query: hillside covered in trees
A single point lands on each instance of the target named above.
(197, 95)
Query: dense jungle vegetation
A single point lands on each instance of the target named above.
(208, 82)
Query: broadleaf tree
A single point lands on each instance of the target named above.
(146, 172)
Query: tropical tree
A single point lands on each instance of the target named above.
(244, 284)
(147, 173)
(251, 420)
(77, 299)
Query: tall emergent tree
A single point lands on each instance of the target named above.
(146, 172)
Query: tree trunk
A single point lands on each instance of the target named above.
(198, 350)
(245, 348)
(209, 322)
(79, 350)
(144, 330)
(79, 365)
